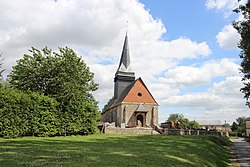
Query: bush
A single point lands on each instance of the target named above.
(27, 114)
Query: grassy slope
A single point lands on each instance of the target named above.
(114, 150)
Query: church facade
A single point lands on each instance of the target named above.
(132, 104)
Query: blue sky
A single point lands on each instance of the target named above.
(185, 51)
(193, 20)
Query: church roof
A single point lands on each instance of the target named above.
(113, 102)
(209, 122)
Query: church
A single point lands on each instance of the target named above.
(132, 104)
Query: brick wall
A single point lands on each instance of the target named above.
(140, 94)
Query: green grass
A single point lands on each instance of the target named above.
(115, 150)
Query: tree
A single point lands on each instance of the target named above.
(59, 75)
(180, 121)
(243, 28)
(242, 124)
(193, 124)
(63, 76)
(239, 125)
(175, 118)
(234, 126)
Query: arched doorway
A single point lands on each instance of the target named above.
(139, 121)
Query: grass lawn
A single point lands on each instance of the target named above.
(115, 150)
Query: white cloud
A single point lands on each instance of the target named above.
(163, 91)
(228, 38)
(193, 76)
(214, 98)
(227, 6)
(222, 101)
(220, 4)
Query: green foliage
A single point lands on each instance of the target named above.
(234, 126)
(25, 114)
(243, 28)
(79, 117)
(175, 118)
(62, 75)
(116, 150)
(65, 77)
(193, 124)
(240, 125)
(181, 121)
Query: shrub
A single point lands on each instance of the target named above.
(26, 114)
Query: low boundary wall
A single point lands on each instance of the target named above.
(189, 132)
(156, 130)
(130, 131)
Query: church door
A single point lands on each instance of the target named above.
(139, 121)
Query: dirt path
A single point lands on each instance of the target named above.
(241, 149)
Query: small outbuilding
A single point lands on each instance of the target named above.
(209, 125)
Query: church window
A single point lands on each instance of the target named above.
(139, 94)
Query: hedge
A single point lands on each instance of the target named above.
(23, 114)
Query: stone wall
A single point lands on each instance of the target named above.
(125, 113)
(130, 109)
(130, 131)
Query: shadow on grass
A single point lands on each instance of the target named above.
(114, 150)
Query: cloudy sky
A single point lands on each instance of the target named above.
(185, 51)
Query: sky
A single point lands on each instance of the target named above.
(185, 51)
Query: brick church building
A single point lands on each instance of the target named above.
(132, 104)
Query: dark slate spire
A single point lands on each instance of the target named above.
(124, 65)
(124, 75)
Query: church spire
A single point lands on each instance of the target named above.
(124, 75)
(124, 65)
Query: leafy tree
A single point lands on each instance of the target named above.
(175, 118)
(193, 124)
(234, 126)
(180, 121)
(239, 125)
(243, 28)
(242, 124)
(63, 76)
